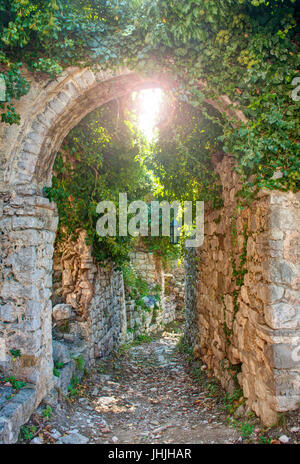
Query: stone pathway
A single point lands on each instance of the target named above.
(143, 396)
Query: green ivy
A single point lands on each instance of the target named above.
(246, 49)
(181, 158)
(97, 161)
(238, 273)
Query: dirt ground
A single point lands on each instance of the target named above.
(153, 393)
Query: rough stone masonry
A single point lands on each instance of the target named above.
(248, 334)
(92, 313)
(262, 318)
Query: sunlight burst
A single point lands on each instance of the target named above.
(149, 104)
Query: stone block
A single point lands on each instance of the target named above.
(57, 105)
(282, 315)
(281, 272)
(284, 218)
(15, 413)
(283, 356)
(61, 352)
(27, 162)
(8, 313)
(62, 312)
(26, 222)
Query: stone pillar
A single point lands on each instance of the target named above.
(28, 226)
(282, 314)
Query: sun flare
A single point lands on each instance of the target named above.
(148, 107)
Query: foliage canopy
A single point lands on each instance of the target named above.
(246, 49)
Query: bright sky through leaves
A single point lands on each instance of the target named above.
(148, 107)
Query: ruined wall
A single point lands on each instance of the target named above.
(148, 266)
(92, 314)
(247, 304)
(89, 300)
(28, 225)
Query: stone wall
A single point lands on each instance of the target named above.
(92, 315)
(266, 326)
(150, 268)
(282, 310)
(90, 309)
(247, 330)
(191, 317)
(28, 225)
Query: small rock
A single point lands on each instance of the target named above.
(61, 312)
(37, 441)
(240, 411)
(104, 377)
(295, 429)
(73, 439)
(114, 439)
(55, 434)
(284, 439)
(95, 391)
(105, 430)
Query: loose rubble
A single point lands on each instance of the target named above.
(146, 394)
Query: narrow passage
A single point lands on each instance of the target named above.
(144, 395)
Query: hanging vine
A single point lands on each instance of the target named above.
(246, 49)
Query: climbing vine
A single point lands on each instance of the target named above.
(103, 156)
(98, 159)
(239, 271)
(181, 158)
(246, 49)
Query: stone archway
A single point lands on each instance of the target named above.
(29, 221)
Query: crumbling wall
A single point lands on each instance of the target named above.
(171, 286)
(92, 315)
(90, 300)
(247, 304)
(148, 266)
